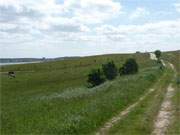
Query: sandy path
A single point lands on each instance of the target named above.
(152, 56)
(163, 63)
(104, 130)
(166, 111)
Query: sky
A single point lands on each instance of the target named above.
(57, 28)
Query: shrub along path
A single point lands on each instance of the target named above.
(109, 124)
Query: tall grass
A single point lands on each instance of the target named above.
(53, 99)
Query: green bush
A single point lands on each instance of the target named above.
(129, 67)
(95, 77)
(110, 70)
(158, 54)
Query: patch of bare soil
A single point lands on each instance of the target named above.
(165, 114)
(152, 56)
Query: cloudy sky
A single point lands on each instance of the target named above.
(55, 28)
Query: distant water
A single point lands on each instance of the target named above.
(15, 63)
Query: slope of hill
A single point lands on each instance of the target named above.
(52, 97)
(144, 118)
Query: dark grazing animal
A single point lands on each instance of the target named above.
(11, 74)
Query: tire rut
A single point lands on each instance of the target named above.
(165, 114)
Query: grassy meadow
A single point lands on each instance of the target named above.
(53, 98)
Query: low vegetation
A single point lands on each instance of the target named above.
(52, 97)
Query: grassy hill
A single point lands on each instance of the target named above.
(52, 97)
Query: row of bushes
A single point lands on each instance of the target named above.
(109, 71)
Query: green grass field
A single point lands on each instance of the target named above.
(53, 98)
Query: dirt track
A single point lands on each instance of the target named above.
(104, 130)
(166, 111)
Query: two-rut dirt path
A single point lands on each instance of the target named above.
(109, 124)
(164, 115)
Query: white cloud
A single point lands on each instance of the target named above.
(161, 27)
(96, 11)
(83, 11)
(160, 34)
(49, 22)
(177, 6)
(138, 13)
(42, 16)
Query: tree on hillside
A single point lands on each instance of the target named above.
(129, 67)
(110, 70)
(95, 77)
(158, 54)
